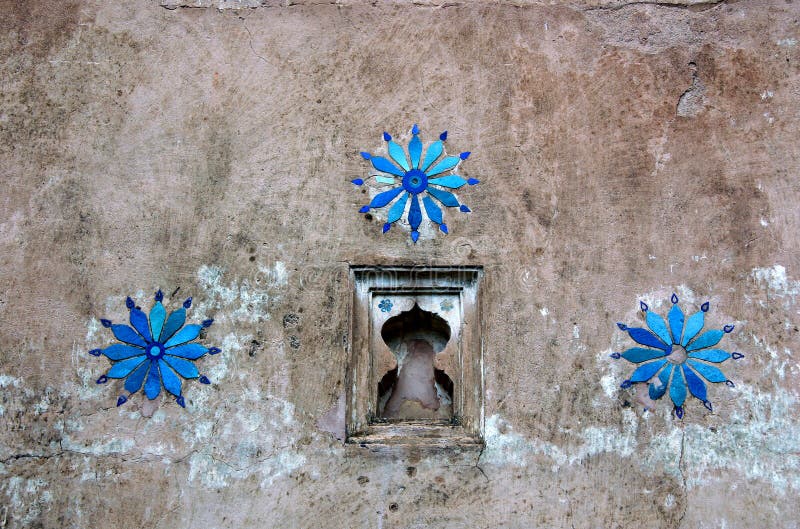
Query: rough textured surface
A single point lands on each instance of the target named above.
(626, 150)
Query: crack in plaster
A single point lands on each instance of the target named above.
(602, 5)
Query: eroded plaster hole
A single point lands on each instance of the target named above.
(678, 355)
(415, 389)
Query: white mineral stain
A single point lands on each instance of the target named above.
(242, 300)
(92, 329)
(216, 367)
(260, 441)
(505, 447)
(775, 279)
(97, 448)
(28, 498)
(761, 442)
(9, 381)
(669, 501)
(609, 382)
(787, 42)
(44, 402)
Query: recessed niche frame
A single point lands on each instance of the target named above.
(380, 293)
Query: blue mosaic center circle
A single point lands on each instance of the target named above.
(155, 350)
(415, 181)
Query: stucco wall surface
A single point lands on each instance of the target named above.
(626, 151)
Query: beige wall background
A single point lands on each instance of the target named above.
(626, 150)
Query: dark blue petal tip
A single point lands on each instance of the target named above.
(679, 412)
(204, 379)
(414, 236)
(180, 401)
(386, 227)
(187, 303)
(129, 303)
(96, 352)
(622, 326)
(626, 384)
(207, 323)
(443, 227)
(443, 136)
(737, 356)
(728, 328)
(366, 155)
(387, 136)
(707, 404)
(121, 400)
(102, 380)
(615, 356)
(730, 384)
(674, 298)
(705, 306)
(415, 129)
(364, 209)
(464, 208)
(358, 181)
(464, 155)
(106, 323)
(159, 295)
(214, 351)
(473, 181)
(643, 306)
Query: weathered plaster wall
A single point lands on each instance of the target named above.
(625, 151)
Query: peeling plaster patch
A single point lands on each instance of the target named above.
(693, 100)
(762, 442)
(788, 42)
(244, 300)
(504, 447)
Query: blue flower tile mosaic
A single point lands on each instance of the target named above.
(155, 351)
(414, 183)
(677, 358)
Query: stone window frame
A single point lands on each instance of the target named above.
(369, 282)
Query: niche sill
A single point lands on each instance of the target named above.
(416, 433)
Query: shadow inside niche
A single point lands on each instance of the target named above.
(415, 389)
